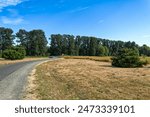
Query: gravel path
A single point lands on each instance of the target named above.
(13, 79)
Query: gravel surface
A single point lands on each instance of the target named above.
(13, 79)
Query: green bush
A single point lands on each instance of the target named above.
(14, 53)
(128, 58)
(21, 50)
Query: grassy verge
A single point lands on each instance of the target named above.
(86, 79)
(3, 62)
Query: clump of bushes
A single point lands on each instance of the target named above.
(14, 53)
(128, 58)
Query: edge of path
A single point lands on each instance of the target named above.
(31, 86)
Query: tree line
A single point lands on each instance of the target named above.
(91, 46)
(35, 44)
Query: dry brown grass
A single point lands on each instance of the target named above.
(3, 62)
(30, 88)
(86, 79)
(101, 59)
(95, 58)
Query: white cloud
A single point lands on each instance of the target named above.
(12, 21)
(5, 3)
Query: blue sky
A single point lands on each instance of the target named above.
(126, 20)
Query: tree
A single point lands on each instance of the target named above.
(22, 35)
(128, 58)
(23, 39)
(56, 45)
(130, 44)
(144, 50)
(92, 46)
(1, 39)
(6, 38)
(106, 51)
(77, 45)
(64, 45)
(100, 51)
(37, 43)
(84, 48)
(71, 45)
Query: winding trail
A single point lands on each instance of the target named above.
(13, 78)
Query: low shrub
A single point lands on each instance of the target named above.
(128, 58)
(14, 53)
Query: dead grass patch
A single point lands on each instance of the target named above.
(31, 87)
(85, 79)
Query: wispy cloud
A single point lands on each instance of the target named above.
(12, 21)
(5, 3)
(79, 9)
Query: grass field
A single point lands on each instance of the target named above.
(88, 79)
(101, 59)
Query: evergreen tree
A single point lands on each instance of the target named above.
(56, 45)
(84, 48)
(64, 45)
(23, 39)
(144, 50)
(128, 58)
(92, 46)
(6, 38)
(71, 46)
(37, 43)
(77, 45)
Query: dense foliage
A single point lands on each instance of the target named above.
(14, 53)
(34, 42)
(90, 46)
(79, 46)
(127, 58)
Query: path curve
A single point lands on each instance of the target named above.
(13, 78)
